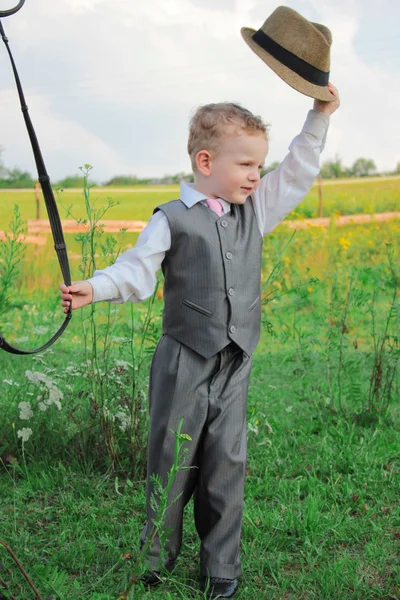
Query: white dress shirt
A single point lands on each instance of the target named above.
(133, 276)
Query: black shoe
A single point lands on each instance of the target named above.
(150, 578)
(219, 587)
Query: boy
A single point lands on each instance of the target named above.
(209, 245)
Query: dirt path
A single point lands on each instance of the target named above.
(42, 226)
(341, 220)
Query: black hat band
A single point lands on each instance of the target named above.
(287, 58)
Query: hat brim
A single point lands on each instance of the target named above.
(290, 77)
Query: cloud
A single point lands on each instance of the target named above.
(367, 122)
(113, 82)
(62, 141)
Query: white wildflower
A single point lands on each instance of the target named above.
(22, 339)
(42, 406)
(37, 377)
(39, 359)
(24, 433)
(124, 420)
(289, 409)
(123, 363)
(252, 428)
(55, 395)
(26, 411)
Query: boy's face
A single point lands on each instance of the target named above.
(235, 168)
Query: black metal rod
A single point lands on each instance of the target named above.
(51, 205)
(12, 11)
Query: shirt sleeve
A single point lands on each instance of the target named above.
(281, 190)
(132, 278)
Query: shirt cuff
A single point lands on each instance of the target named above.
(316, 123)
(103, 288)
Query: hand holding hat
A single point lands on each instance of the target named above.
(296, 49)
(328, 107)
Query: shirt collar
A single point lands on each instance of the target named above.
(190, 196)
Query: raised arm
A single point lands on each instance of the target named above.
(281, 190)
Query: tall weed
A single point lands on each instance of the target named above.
(12, 251)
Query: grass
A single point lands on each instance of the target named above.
(321, 518)
(136, 204)
(359, 196)
(351, 244)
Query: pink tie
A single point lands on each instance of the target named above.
(215, 205)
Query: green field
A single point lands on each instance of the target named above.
(358, 196)
(40, 267)
(321, 520)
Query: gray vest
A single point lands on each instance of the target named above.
(212, 277)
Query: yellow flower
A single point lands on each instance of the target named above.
(345, 243)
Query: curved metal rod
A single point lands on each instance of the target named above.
(11, 11)
(51, 206)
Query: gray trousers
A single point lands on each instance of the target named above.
(211, 395)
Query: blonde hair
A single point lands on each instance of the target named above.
(208, 125)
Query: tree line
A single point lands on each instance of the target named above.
(330, 169)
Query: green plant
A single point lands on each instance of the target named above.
(115, 367)
(160, 504)
(12, 252)
(386, 346)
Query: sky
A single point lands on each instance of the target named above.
(113, 83)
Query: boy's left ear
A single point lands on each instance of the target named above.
(203, 162)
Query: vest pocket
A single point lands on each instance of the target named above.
(200, 309)
(254, 304)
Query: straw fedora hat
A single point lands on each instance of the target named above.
(296, 49)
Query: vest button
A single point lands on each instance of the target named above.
(232, 329)
(231, 291)
(229, 255)
(224, 223)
